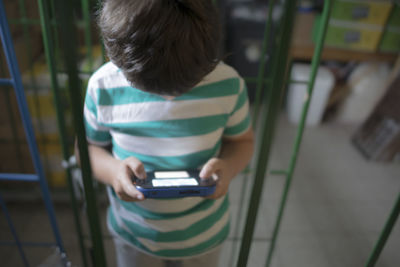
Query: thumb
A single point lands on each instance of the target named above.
(136, 167)
(209, 168)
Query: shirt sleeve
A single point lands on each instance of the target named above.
(239, 120)
(96, 133)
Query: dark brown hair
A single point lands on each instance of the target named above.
(162, 46)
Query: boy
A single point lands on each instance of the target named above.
(165, 102)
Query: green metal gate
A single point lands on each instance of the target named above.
(59, 35)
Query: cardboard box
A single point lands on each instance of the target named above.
(370, 12)
(355, 36)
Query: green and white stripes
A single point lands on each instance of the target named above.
(187, 161)
(182, 133)
(168, 235)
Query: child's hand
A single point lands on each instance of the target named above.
(122, 182)
(217, 169)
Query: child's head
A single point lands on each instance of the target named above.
(162, 46)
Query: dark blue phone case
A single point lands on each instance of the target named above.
(206, 187)
(177, 192)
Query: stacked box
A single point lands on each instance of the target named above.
(353, 36)
(364, 12)
(356, 24)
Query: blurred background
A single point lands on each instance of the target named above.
(343, 181)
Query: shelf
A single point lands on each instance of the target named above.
(303, 47)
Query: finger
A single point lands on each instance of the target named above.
(216, 193)
(129, 198)
(128, 188)
(136, 167)
(221, 189)
(219, 192)
(120, 190)
(210, 168)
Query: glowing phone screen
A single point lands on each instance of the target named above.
(171, 175)
(164, 182)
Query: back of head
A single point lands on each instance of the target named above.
(162, 46)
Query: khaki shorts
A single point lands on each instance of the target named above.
(129, 256)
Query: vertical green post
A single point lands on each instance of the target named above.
(68, 43)
(314, 69)
(261, 67)
(49, 51)
(88, 34)
(260, 85)
(26, 35)
(54, 30)
(272, 102)
(373, 258)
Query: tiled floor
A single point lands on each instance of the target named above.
(337, 206)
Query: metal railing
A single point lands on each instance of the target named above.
(58, 33)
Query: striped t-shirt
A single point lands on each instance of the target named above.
(182, 133)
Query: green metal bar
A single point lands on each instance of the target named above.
(52, 14)
(64, 11)
(49, 49)
(260, 80)
(27, 41)
(314, 69)
(273, 99)
(385, 26)
(380, 244)
(261, 68)
(88, 33)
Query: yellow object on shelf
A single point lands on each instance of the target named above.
(353, 35)
(365, 11)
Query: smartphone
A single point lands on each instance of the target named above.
(174, 184)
